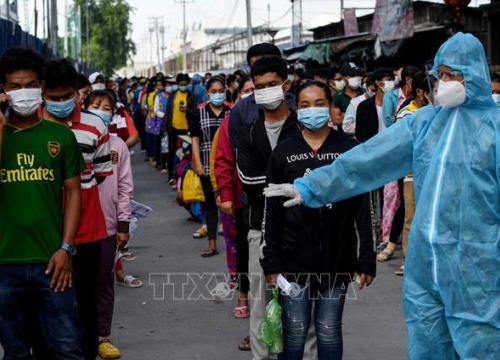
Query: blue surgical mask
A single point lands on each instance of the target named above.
(217, 99)
(496, 99)
(61, 109)
(174, 88)
(183, 88)
(314, 118)
(106, 116)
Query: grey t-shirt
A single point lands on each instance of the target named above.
(273, 130)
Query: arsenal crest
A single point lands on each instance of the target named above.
(54, 148)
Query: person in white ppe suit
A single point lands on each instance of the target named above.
(451, 290)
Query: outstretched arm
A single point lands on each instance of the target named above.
(368, 166)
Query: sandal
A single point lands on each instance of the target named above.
(209, 253)
(241, 312)
(245, 344)
(130, 282)
(128, 256)
(401, 270)
(385, 255)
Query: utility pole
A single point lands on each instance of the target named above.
(36, 20)
(249, 23)
(341, 9)
(156, 28)
(66, 29)
(53, 26)
(300, 23)
(268, 15)
(184, 34)
(87, 34)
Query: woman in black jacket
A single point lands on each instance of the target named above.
(318, 251)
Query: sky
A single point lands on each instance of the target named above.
(211, 13)
(229, 13)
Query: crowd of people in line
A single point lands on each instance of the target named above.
(310, 174)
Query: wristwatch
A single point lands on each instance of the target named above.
(70, 249)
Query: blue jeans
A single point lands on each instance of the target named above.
(296, 317)
(28, 303)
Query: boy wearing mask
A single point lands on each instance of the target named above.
(255, 145)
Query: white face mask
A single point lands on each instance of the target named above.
(370, 93)
(389, 85)
(496, 99)
(271, 97)
(354, 82)
(98, 86)
(25, 102)
(339, 85)
(244, 96)
(450, 94)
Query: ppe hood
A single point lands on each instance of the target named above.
(465, 53)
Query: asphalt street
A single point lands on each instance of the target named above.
(194, 324)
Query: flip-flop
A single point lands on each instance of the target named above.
(209, 253)
(241, 312)
(128, 281)
(245, 344)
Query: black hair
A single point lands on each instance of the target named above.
(270, 64)
(408, 71)
(369, 80)
(97, 94)
(161, 81)
(321, 85)
(420, 81)
(307, 75)
(215, 79)
(323, 73)
(60, 73)
(262, 49)
(240, 73)
(181, 77)
(230, 79)
(243, 81)
(82, 81)
(381, 73)
(495, 77)
(20, 58)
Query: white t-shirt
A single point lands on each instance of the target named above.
(349, 123)
(380, 115)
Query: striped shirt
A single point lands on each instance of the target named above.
(92, 136)
(204, 125)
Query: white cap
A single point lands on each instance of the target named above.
(93, 76)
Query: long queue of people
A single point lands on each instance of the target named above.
(311, 177)
(277, 125)
(67, 212)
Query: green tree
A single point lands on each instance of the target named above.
(110, 28)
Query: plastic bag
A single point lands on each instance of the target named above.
(271, 332)
(191, 188)
(164, 144)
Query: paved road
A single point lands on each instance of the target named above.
(145, 328)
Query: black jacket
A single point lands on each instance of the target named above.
(302, 240)
(246, 113)
(252, 156)
(366, 120)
